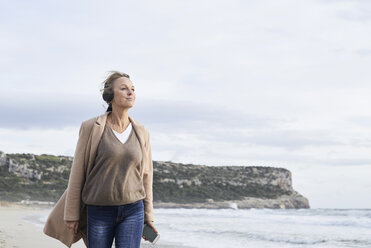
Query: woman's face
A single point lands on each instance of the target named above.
(123, 93)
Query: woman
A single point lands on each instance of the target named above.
(109, 194)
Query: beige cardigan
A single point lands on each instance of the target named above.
(70, 206)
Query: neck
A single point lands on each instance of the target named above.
(119, 118)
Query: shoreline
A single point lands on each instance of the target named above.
(293, 201)
(22, 226)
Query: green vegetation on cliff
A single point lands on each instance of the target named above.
(45, 177)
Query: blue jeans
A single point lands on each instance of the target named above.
(123, 222)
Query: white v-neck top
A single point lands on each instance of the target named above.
(124, 135)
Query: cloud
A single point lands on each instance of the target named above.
(45, 111)
(56, 110)
(363, 52)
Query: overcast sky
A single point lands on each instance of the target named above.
(267, 83)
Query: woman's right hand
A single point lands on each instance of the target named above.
(72, 225)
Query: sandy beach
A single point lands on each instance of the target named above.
(22, 226)
(17, 232)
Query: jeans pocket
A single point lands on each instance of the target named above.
(135, 207)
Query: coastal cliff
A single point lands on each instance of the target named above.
(45, 177)
(201, 186)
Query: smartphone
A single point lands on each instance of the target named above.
(150, 234)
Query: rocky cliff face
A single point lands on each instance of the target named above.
(18, 169)
(226, 186)
(45, 177)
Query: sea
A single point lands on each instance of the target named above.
(279, 228)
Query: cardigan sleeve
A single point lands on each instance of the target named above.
(148, 183)
(76, 179)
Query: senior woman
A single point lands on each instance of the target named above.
(109, 193)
